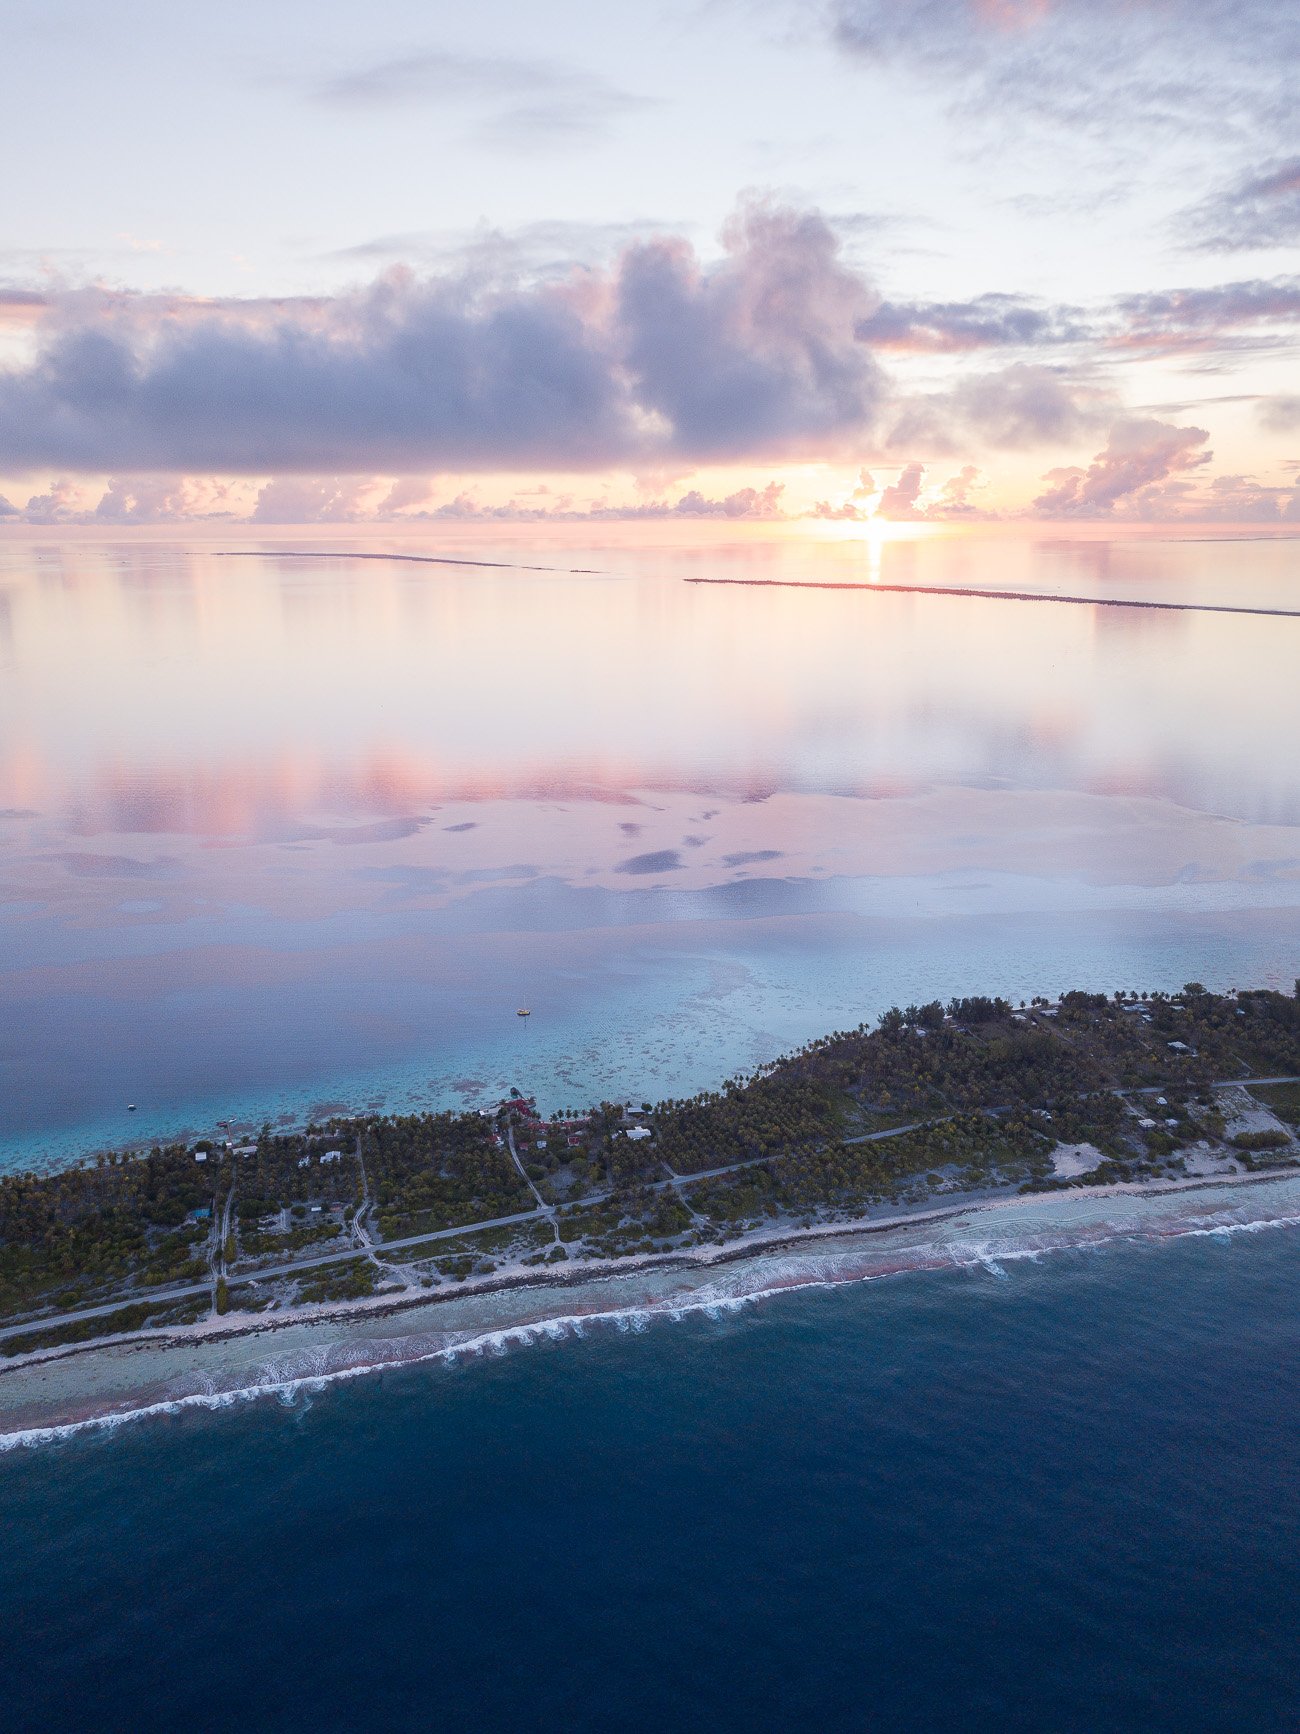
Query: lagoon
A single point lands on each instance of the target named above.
(279, 832)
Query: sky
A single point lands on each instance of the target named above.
(835, 260)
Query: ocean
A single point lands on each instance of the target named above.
(1056, 1493)
(283, 829)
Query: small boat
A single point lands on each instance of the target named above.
(130, 1107)
(523, 1012)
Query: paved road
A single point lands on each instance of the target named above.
(543, 1211)
(187, 1291)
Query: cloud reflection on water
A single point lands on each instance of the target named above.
(292, 756)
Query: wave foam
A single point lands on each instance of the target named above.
(289, 1378)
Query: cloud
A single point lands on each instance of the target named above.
(311, 500)
(547, 248)
(744, 503)
(1242, 500)
(899, 501)
(1023, 405)
(161, 499)
(761, 349)
(406, 492)
(1206, 319)
(955, 496)
(21, 307)
(1139, 455)
(1260, 210)
(1026, 405)
(992, 321)
(1172, 66)
(1169, 319)
(1280, 414)
(60, 504)
(357, 499)
(760, 503)
(661, 356)
(524, 100)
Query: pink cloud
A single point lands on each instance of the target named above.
(1139, 454)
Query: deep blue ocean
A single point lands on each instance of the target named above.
(1064, 1498)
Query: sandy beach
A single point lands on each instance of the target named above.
(217, 1361)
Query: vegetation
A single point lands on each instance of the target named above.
(931, 1101)
(434, 1171)
(1283, 1099)
(1270, 1139)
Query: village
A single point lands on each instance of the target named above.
(933, 1104)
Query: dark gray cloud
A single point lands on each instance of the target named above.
(518, 100)
(735, 359)
(987, 322)
(1256, 312)
(1260, 210)
(661, 356)
(1253, 312)
(21, 302)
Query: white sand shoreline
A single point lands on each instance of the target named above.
(754, 1242)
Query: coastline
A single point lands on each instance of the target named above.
(54, 1392)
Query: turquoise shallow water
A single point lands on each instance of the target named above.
(1018, 1495)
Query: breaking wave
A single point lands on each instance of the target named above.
(640, 1298)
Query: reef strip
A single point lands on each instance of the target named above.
(411, 559)
(1000, 595)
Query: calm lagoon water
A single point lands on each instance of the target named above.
(1057, 1495)
(279, 832)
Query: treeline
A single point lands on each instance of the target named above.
(289, 1168)
(73, 1230)
(432, 1171)
(1000, 1084)
(773, 1113)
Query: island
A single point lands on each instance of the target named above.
(935, 1105)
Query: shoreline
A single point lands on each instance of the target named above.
(233, 1326)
